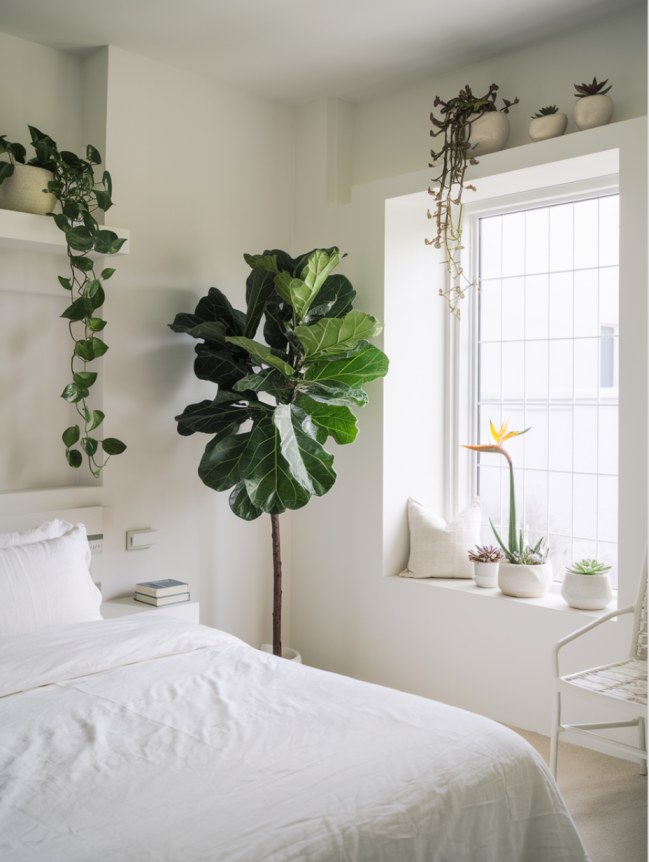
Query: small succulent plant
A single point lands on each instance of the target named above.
(545, 112)
(486, 554)
(594, 89)
(531, 556)
(588, 567)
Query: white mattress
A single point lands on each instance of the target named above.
(154, 739)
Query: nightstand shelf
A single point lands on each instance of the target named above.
(127, 606)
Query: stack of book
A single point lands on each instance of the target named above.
(164, 592)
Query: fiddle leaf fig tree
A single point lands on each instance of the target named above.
(279, 401)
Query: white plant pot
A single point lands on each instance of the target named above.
(287, 653)
(550, 126)
(592, 111)
(488, 133)
(485, 575)
(587, 592)
(23, 191)
(525, 582)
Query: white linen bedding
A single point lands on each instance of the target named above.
(153, 739)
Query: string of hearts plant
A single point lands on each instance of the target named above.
(80, 194)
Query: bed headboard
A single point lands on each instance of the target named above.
(91, 516)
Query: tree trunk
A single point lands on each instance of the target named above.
(277, 587)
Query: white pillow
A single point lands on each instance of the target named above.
(47, 583)
(48, 530)
(438, 549)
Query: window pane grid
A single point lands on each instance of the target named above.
(547, 357)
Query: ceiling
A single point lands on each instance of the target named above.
(296, 51)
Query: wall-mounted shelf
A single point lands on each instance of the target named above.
(39, 233)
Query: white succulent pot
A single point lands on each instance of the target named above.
(550, 126)
(485, 574)
(287, 653)
(23, 190)
(592, 111)
(488, 133)
(587, 592)
(524, 582)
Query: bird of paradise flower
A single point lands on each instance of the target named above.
(516, 552)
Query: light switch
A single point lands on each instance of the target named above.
(138, 540)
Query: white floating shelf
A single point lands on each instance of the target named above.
(39, 233)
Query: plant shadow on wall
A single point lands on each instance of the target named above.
(470, 126)
(70, 181)
(290, 394)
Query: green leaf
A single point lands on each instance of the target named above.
(242, 505)
(73, 393)
(309, 463)
(103, 200)
(264, 262)
(301, 292)
(71, 435)
(94, 419)
(84, 378)
(269, 482)
(226, 411)
(89, 445)
(336, 421)
(331, 336)
(364, 364)
(79, 309)
(216, 306)
(260, 285)
(220, 466)
(81, 262)
(113, 446)
(269, 380)
(65, 282)
(220, 365)
(106, 273)
(262, 354)
(90, 348)
(6, 170)
(74, 457)
(334, 393)
(92, 154)
(105, 241)
(96, 324)
(79, 238)
(97, 296)
(335, 299)
(61, 222)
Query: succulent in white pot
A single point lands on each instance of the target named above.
(593, 106)
(486, 559)
(547, 122)
(587, 585)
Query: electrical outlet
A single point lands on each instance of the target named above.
(96, 543)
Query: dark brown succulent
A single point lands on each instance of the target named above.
(594, 89)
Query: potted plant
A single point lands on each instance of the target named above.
(485, 559)
(23, 184)
(72, 183)
(546, 123)
(278, 403)
(587, 585)
(470, 126)
(593, 106)
(526, 572)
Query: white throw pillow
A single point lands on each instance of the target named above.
(438, 549)
(49, 530)
(47, 583)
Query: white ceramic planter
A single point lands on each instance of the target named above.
(485, 575)
(587, 592)
(23, 191)
(524, 582)
(550, 126)
(592, 111)
(287, 653)
(489, 133)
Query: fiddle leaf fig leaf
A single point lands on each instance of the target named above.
(220, 466)
(335, 298)
(364, 364)
(335, 420)
(226, 411)
(335, 336)
(309, 463)
(338, 394)
(268, 380)
(242, 505)
(262, 354)
(301, 292)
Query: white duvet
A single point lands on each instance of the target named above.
(152, 739)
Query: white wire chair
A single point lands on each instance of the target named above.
(622, 684)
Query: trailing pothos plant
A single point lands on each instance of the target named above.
(278, 402)
(80, 194)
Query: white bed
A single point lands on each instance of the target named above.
(150, 738)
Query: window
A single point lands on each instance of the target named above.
(544, 354)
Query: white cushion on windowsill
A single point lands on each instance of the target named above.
(439, 549)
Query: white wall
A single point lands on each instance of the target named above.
(201, 173)
(489, 656)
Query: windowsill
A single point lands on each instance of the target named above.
(553, 601)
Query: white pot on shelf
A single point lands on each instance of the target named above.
(593, 111)
(23, 190)
(287, 652)
(488, 133)
(485, 574)
(549, 126)
(587, 592)
(525, 582)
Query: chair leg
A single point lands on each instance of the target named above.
(554, 736)
(643, 743)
